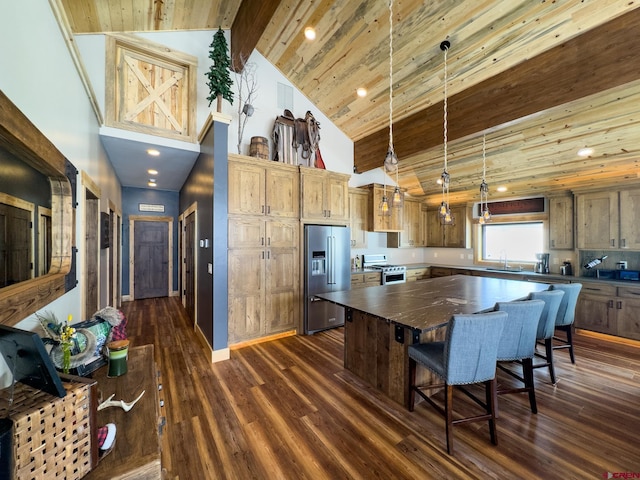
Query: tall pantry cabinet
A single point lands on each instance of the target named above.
(263, 254)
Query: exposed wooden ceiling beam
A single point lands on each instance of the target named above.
(250, 22)
(600, 59)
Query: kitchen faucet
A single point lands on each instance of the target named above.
(503, 255)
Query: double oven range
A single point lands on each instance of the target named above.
(390, 273)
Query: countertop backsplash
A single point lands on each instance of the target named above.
(613, 256)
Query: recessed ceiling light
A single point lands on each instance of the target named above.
(151, 171)
(501, 188)
(362, 92)
(152, 184)
(310, 33)
(439, 181)
(153, 152)
(585, 152)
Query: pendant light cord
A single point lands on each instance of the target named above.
(391, 76)
(446, 49)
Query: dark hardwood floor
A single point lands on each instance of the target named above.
(288, 409)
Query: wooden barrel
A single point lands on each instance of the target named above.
(259, 148)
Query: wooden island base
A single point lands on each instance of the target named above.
(376, 351)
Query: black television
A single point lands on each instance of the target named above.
(28, 360)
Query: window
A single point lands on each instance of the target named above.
(516, 242)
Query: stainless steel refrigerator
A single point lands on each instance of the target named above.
(327, 268)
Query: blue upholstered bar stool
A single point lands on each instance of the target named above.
(466, 356)
(518, 343)
(566, 315)
(547, 325)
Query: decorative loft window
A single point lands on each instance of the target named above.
(150, 88)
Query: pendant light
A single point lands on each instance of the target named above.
(485, 215)
(391, 159)
(445, 211)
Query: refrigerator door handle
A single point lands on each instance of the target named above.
(331, 243)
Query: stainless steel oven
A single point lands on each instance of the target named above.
(390, 273)
(394, 274)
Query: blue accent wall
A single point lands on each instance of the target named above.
(207, 185)
(131, 199)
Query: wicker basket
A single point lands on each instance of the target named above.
(52, 437)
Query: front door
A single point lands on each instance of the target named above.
(151, 259)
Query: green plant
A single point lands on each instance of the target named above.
(218, 75)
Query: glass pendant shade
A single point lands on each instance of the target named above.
(384, 208)
(397, 198)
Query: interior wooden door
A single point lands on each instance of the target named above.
(151, 259)
(190, 265)
(15, 245)
(91, 253)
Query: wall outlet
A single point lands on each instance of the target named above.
(462, 256)
(435, 254)
(470, 256)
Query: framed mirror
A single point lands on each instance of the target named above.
(37, 218)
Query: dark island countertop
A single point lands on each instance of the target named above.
(430, 303)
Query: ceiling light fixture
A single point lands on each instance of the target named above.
(151, 171)
(585, 152)
(152, 184)
(446, 216)
(485, 215)
(501, 188)
(153, 152)
(310, 33)
(391, 160)
(362, 92)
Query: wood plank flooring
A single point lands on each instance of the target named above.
(287, 409)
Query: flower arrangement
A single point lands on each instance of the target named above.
(66, 339)
(62, 333)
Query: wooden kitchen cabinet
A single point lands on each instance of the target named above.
(414, 274)
(608, 308)
(325, 195)
(261, 187)
(630, 219)
(358, 216)
(628, 312)
(595, 309)
(377, 221)
(263, 242)
(264, 294)
(362, 280)
(598, 217)
(609, 220)
(412, 229)
(561, 223)
(439, 235)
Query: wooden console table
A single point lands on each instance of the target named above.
(137, 449)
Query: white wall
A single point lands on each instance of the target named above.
(39, 77)
(336, 147)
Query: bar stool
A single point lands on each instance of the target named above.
(547, 325)
(518, 343)
(467, 356)
(566, 315)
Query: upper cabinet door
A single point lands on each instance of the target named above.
(630, 219)
(282, 193)
(598, 220)
(561, 223)
(246, 189)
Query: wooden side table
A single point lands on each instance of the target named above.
(137, 450)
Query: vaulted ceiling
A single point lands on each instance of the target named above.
(539, 78)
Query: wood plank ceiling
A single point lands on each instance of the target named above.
(540, 78)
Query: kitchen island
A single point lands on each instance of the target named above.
(382, 321)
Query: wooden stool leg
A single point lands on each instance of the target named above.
(570, 342)
(491, 392)
(548, 346)
(527, 372)
(448, 413)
